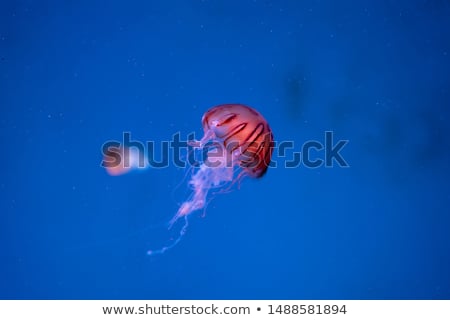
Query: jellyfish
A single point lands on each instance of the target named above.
(240, 144)
(119, 160)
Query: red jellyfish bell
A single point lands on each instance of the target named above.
(244, 132)
(239, 142)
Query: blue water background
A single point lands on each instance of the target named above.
(76, 74)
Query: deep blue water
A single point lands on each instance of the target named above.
(376, 73)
